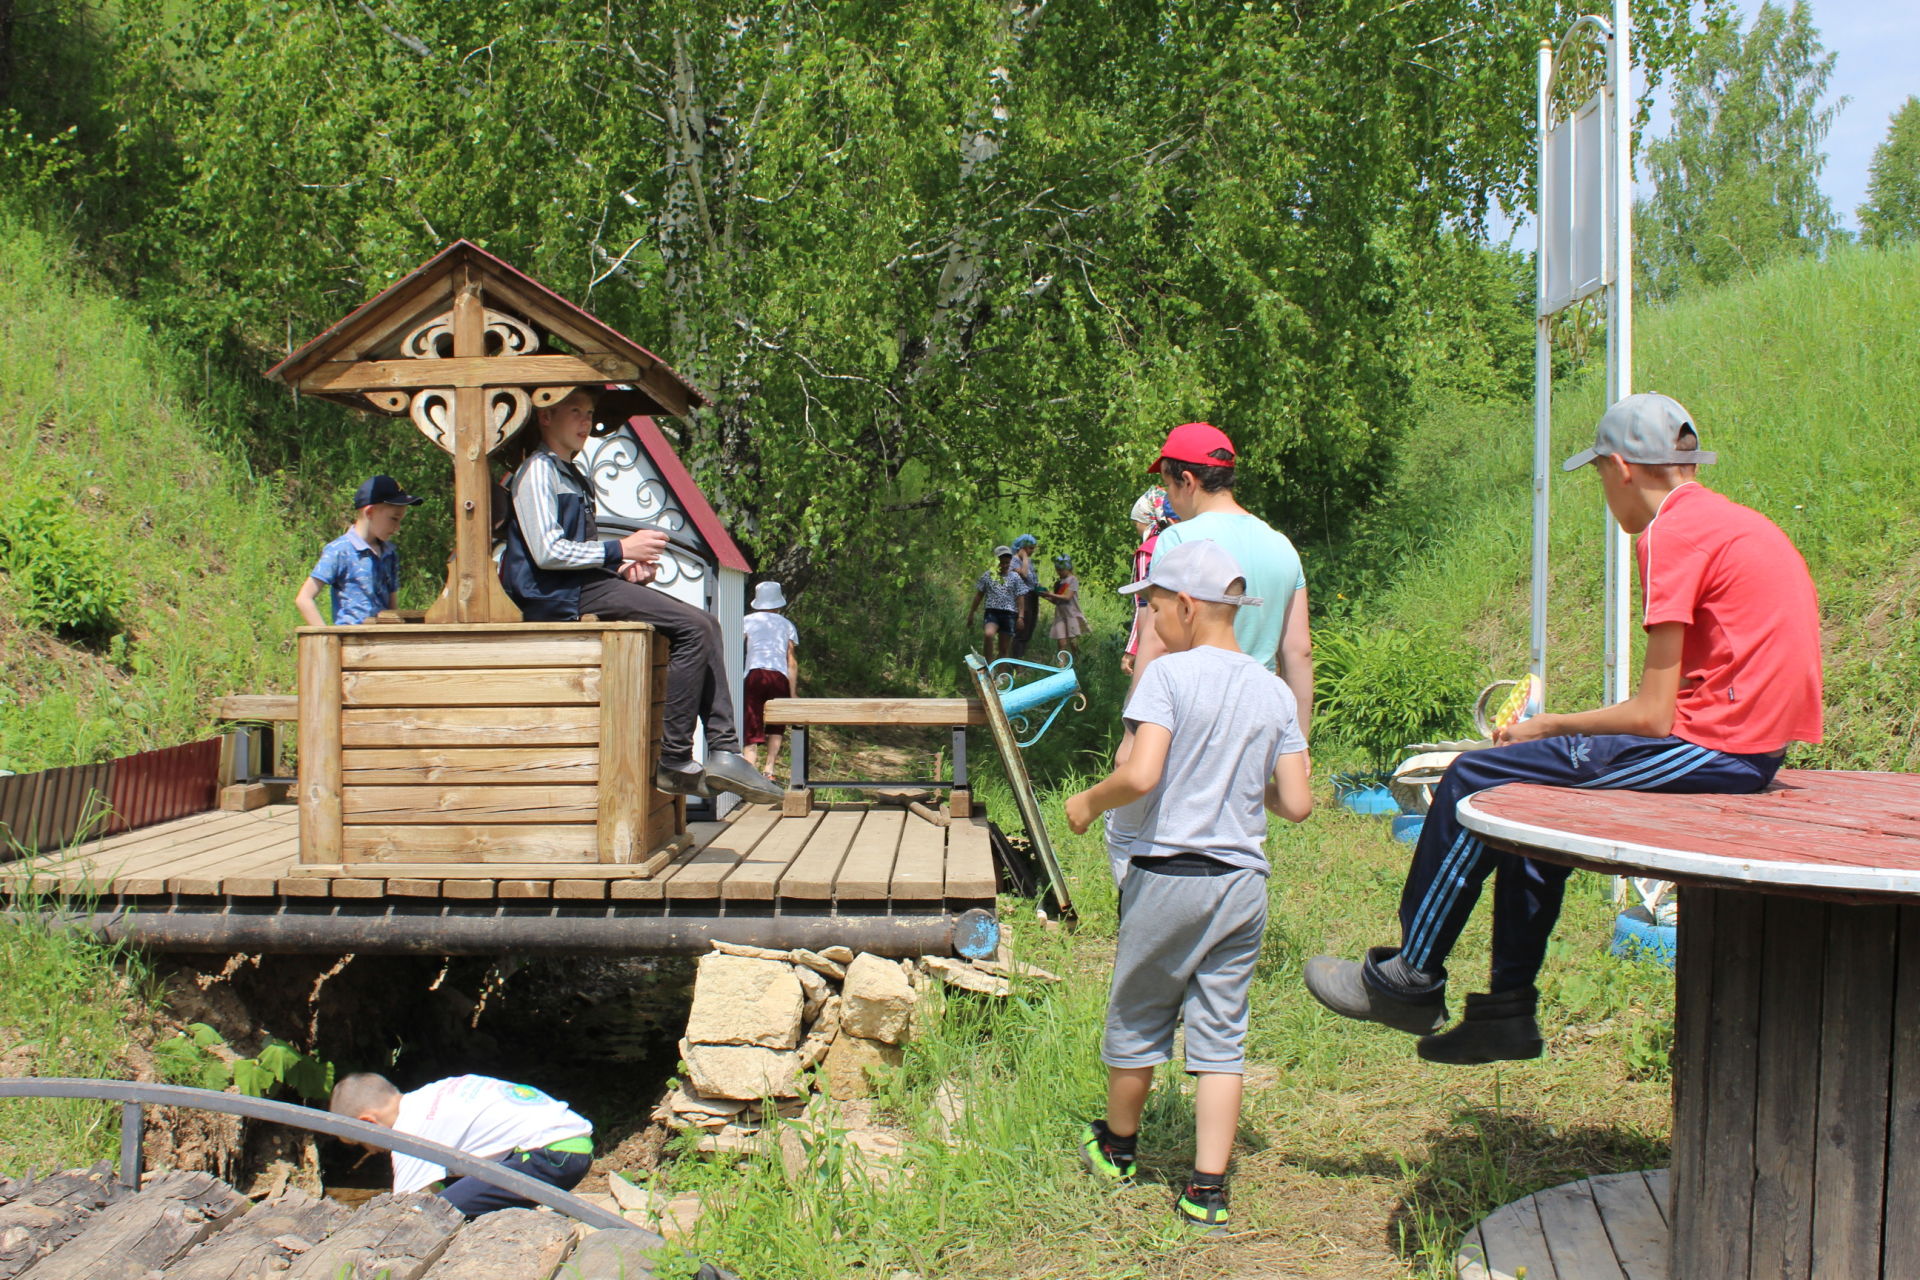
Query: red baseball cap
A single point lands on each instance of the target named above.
(1192, 442)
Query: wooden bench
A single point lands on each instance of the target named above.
(254, 717)
(797, 715)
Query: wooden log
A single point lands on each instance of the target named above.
(548, 842)
(408, 766)
(933, 712)
(146, 1232)
(470, 727)
(257, 708)
(458, 687)
(510, 1244)
(320, 743)
(441, 650)
(397, 1237)
(476, 805)
(42, 1215)
(625, 787)
(265, 1240)
(925, 814)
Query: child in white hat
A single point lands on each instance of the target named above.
(773, 670)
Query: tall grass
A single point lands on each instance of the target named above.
(1803, 380)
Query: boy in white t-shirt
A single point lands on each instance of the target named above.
(1216, 741)
(515, 1124)
(773, 670)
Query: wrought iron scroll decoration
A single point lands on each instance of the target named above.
(625, 489)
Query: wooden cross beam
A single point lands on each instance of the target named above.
(458, 371)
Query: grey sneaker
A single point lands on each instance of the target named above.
(729, 771)
(1353, 989)
(682, 782)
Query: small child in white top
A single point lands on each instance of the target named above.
(773, 670)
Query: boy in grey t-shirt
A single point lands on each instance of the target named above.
(1216, 740)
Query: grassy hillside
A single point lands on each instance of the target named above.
(141, 472)
(1805, 380)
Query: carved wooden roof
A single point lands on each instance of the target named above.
(368, 358)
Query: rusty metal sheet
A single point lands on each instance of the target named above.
(158, 786)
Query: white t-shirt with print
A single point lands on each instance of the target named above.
(481, 1116)
(768, 635)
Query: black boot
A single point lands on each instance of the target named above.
(1495, 1028)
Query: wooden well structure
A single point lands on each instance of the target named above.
(475, 738)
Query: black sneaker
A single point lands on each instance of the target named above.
(1496, 1028)
(1101, 1159)
(1204, 1207)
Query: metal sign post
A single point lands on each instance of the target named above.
(1584, 247)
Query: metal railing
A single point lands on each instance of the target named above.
(135, 1096)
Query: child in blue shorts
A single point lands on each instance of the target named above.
(1216, 740)
(360, 566)
(1002, 592)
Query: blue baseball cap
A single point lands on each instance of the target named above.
(380, 489)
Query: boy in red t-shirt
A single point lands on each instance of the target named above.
(1732, 676)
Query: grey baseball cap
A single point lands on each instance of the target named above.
(1202, 569)
(1643, 428)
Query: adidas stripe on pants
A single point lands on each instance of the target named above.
(1450, 863)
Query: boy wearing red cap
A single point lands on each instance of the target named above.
(1197, 467)
(1732, 676)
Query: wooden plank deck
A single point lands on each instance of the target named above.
(863, 857)
(1613, 1227)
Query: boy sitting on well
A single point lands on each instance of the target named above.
(1216, 738)
(515, 1124)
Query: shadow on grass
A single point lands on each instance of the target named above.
(1486, 1157)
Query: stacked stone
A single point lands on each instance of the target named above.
(763, 1019)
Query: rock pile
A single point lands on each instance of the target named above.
(768, 1026)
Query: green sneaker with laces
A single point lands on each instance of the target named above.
(1097, 1153)
(1204, 1207)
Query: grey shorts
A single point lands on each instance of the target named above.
(1186, 952)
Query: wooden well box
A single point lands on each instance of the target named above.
(483, 743)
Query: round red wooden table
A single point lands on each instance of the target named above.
(1796, 1063)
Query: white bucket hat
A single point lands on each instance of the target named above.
(768, 596)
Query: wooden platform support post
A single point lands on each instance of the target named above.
(1796, 1089)
(319, 738)
(626, 705)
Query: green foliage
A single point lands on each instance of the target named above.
(1004, 245)
(1377, 689)
(1892, 210)
(188, 1058)
(1793, 382)
(63, 575)
(1736, 183)
(279, 1063)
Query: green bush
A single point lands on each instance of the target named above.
(63, 575)
(1380, 689)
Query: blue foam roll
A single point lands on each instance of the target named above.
(1637, 938)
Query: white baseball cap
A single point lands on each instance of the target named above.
(1202, 569)
(1643, 428)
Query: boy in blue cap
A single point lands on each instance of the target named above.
(360, 566)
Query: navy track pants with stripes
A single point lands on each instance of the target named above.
(1450, 863)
